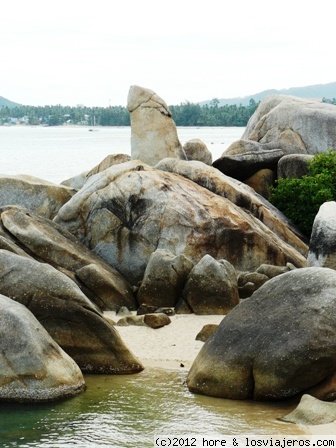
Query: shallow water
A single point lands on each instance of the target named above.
(127, 411)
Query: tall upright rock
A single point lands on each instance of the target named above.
(153, 131)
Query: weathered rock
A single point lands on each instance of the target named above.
(322, 245)
(155, 320)
(272, 271)
(248, 282)
(153, 131)
(146, 309)
(66, 313)
(311, 411)
(37, 195)
(132, 209)
(244, 158)
(262, 181)
(271, 346)
(212, 287)
(164, 279)
(196, 149)
(310, 124)
(243, 166)
(206, 332)
(33, 368)
(78, 181)
(239, 194)
(293, 166)
(53, 244)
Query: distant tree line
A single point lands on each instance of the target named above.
(185, 114)
(329, 101)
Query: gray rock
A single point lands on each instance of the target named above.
(164, 279)
(271, 346)
(311, 411)
(322, 245)
(196, 149)
(293, 166)
(37, 195)
(67, 314)
(33, 368)
(306, 123)
(212, 287)
(53, 244)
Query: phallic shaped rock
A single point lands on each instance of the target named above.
(322, 245)
(67, 314)
(55, 245)
(33, 368)
(130, 210)
(271, 346)
(153, 131)
(37, 195)
(212, 287)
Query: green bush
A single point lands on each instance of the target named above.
(300, 199)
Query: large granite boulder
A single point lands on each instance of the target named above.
(211, 287)
(279, 343)
(128, 211)
(52, 244)
(33, 368)
(37, 195)
(239, 194)
(322, 245)
(308, 124)
(66, 313)
(246, 157)
(153, 131)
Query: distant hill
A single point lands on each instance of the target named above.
(7, 103)
(317, 91)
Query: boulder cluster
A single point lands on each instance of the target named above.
(167, 228)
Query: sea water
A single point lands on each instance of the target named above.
(119, 411)
(58, 153)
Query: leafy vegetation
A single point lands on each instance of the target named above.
(186, 114)
(300, 198)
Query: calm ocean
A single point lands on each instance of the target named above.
(58, 153)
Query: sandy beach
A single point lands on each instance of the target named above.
(175, 347)
(171, 347)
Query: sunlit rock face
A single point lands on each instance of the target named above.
(130, 210)
(153, 131)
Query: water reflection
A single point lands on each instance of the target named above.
(126, 411)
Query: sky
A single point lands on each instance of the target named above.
(78, 52)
